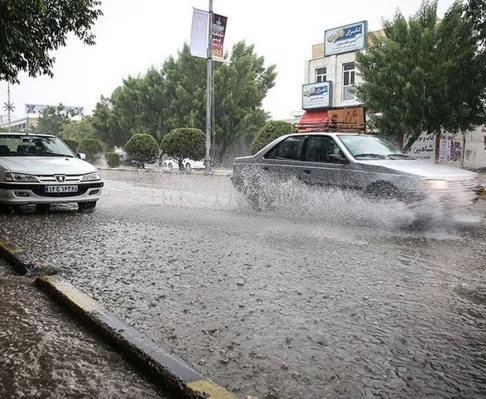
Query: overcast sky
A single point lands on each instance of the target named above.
(133, 35)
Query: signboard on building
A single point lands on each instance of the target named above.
(317, 95)
(38, 108)
(348, 120)
(424, 147)
(345, 38)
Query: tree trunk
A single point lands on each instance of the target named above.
(410, 142)
(222, 153)
(181, 165)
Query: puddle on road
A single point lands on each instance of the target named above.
(45, 353)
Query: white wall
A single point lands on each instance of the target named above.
(474, 150)
(334, 65)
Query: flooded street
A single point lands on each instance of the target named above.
(330, 298)
(46, 353)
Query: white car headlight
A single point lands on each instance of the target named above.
(10, 176)
(436, 184)
(91, 177)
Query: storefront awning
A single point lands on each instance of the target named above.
(313, 121)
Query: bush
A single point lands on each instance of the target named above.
(90, 147)
(184, 143)
(72, 144)
(142, 148)
(271, 131)
(113, 159)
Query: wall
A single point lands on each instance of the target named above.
(473, 152)
(334, 66)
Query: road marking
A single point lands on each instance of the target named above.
(209, 387)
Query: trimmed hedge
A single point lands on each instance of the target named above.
(72, 144)
(142, 148)
(271, 131)
(113, 159)
(90, 147)
(184, 143)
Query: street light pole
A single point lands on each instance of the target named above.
(9, 107)
(207, 160)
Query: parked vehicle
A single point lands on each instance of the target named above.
(189, 164)
(40, 169)
(359, 162)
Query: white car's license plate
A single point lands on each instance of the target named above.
(61, 189)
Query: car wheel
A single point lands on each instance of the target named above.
(4, 208)
(86, 205)
(42, 208)
(170, 166)
(188, 168)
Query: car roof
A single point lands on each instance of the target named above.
(25, 134)
(332, 134)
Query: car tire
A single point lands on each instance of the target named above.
(170, 166)
(84, 206)
(4, 208)
(42, 208)
(188, 168)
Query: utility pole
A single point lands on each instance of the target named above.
(9, 107)
(207, 160)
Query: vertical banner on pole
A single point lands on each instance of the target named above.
(218, 33)
(199, 33)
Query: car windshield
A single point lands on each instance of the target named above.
(368, 147)
(31, 146)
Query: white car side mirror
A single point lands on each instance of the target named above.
(82, 156)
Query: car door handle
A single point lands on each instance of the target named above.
(307, 172)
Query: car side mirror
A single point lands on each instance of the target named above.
(82, 156)
(336, 158)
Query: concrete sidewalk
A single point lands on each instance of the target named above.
(46, 353)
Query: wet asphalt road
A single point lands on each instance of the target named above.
(330, 298)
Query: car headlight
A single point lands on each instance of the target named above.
(9, 176)
(436, 184)
(91, 177)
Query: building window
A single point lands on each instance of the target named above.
(321, 75)
(349, 75)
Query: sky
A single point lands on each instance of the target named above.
(134, 35)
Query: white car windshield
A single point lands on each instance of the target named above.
(368, 147)
(32, 146)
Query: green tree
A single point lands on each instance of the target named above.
(79, 130)
(31, 29)
(184, 143)
(423, 76)
(107, 126)
(139, 103)
(142, 148)
(476, 11)
(271, 131)
(53, 120)
(90, 147)
(161, 101)
(240, 87)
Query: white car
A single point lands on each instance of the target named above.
(40, 169)
(189, 164)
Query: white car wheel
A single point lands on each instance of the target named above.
(188, 168)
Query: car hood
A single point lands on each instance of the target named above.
(46, 165)
(422, 169)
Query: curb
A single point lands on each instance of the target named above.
(216, 173)
(165, 369)
(22, 261)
